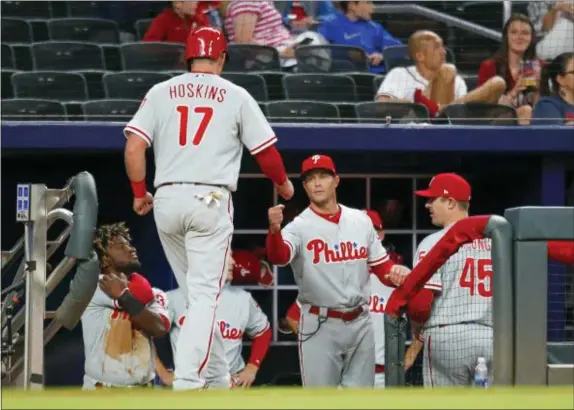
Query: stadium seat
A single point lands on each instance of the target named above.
(16, 30)
(396, 113)
(331, 59)
(274, 81)
(364, 83)
(32, 110)
(152, 56)
(39, 30)
(22, 57)
(377, 81)
(243, 57)
(94, 83)
(131, 85)
(253, 83)
(51, 85)
(7, 57)
(320, 87)
(398, 56)
(479, 114)
(86, 9)
(471, 81)
(67, 56)
(302, 111)
(27, 9)
(141, 27)
(6, 87)
(110, 110)
(84, 29)
(263, 107)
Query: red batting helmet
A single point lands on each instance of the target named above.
(205, 42)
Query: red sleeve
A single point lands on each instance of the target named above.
(420, 305)
(259, 347)
(278, 252)
(294, 312)
(157, 29)
(561, 251)
(140, 288)
(271, 164)
(487, 71)
(381, 271)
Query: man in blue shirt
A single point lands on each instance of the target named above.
(354, 27)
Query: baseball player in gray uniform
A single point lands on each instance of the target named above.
(198, 124)
(122, 317)
(237, 315)
(459, 329)
(330, 248)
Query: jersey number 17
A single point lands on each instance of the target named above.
(206, 116)
(477, 277)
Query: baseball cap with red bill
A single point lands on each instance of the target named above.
(375, 218)
(447, 185)
(324, 162)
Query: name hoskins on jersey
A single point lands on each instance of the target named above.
(463, 285)
(198, 124)
(330, 261)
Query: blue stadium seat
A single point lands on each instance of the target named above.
(67, 56)
(32, 110)
(110, 109)
(152, 56)
(395, 113)
(331, 59)
(253, 83)
(320, 87)
(302, 111)
(15, 30)
(131, 85)
(84, 29)
(51, 85)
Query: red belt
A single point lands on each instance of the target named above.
(379, 368)
(337, 314)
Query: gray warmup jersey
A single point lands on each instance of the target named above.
(331, 261)
(116, 354)
(463, 285)
(237, 314)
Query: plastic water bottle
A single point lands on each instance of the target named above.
(481, 374)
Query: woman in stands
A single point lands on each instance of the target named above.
(516, 62)
(556, 105)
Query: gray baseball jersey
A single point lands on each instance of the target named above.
(198, 124)
(116, 353)
(237, 314)
(463, 284)
(331, 261)
(459, 329)
(380, 293)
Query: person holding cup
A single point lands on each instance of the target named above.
(516, 62)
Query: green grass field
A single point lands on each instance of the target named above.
(294, 398)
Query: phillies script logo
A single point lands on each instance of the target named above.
(344, 251)
(376, 304)
(228, 332)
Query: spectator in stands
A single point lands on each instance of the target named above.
(354, 27)
(517, 64)
(556, 105)
(431, 81)
(174, 23)
(301, 16)
(554, 23)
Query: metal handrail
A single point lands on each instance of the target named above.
(441, 17)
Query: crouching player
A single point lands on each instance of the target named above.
(122, 317)
(237, 314)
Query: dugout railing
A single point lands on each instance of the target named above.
(520, 256)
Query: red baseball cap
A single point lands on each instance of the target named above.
(318, 162)
(447, 185)
(375, 218)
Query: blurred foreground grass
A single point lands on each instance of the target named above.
(293, 398)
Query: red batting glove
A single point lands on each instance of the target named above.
(140, 288)
(430, 104)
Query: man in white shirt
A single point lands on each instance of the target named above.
(431, 81)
